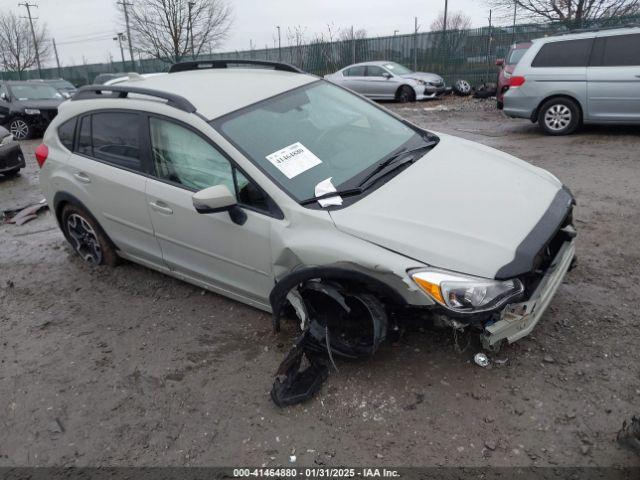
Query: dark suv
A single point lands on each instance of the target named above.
(27, 108)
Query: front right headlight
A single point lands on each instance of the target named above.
(466, 293)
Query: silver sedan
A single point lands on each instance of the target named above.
(388, 81)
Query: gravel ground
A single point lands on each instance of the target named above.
(126, 366)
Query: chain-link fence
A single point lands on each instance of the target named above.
(468, 54)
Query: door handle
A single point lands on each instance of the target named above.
(82, 177)
(161, 207)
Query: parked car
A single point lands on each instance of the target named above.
(131, 77)
(105, 77)
(11, 156)
(389, 81)
(67, 89)
(27, 108)
(564, 81)
(505, 69)
(293, 181)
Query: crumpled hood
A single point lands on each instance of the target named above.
(425, 77)
(463, 207)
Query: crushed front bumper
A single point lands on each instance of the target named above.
(518, 319)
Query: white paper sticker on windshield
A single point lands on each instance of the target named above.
(326, 187)
(293, 160)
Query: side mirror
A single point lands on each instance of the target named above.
(213, 199)
(500, 62)
(3, 97)
(387, 75)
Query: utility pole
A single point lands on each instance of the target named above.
(490, 41)
(513, 32)
(444, 22)
(190, 32)
(279, 46)
(55, 50)
(126, 4)
(119, 40)
(415, 45)
(28, 6)
(353, 46)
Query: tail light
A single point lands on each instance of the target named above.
(42, 152)
(516, 81)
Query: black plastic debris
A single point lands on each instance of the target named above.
(629, 434)
(335, 321)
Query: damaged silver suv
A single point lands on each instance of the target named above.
(292, 194)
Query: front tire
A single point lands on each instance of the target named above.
(406, 94)
(86, 237)
(20, 129)
(559, 116)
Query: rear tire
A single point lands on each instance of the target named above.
(405, 94)
(86, 237)
(559, 116)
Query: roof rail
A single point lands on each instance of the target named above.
(596, 29)
(121, 91)
(203, 64)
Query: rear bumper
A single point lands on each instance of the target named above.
(518, 105)
(11, 157)
(519, 319)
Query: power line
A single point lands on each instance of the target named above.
(33, 33)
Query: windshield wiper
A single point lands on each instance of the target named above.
(380, 171)
(392, 163)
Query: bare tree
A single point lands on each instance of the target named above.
(571, 12)
(455, 21)
(161, 29)
(18, 46)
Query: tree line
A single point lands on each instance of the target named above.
(174, 30)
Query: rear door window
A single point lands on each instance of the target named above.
(355, 71)
(568, 53)
(616, 51)
(116, 138)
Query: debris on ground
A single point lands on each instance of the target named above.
(481, 360)
(335, 321)
(629, 434)
(22, 215)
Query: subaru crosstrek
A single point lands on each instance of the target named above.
(288, 183)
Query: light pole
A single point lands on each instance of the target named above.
(279, 46)
(190, 31)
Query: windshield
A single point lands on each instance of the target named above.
(35, 92)
(515, 55)
(397, 68)
(313, 133)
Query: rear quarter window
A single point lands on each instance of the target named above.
(66, 133)
(568, 53)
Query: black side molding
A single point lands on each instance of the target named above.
(535, 241)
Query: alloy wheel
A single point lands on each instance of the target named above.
(84, 239)
(464, 86)
(19, 129)
(557, 117)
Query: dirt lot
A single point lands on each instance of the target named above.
(126, 366)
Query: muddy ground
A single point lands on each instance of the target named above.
(126, 366)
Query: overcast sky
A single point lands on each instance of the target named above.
(87, 27)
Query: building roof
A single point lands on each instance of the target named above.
(216, 92)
